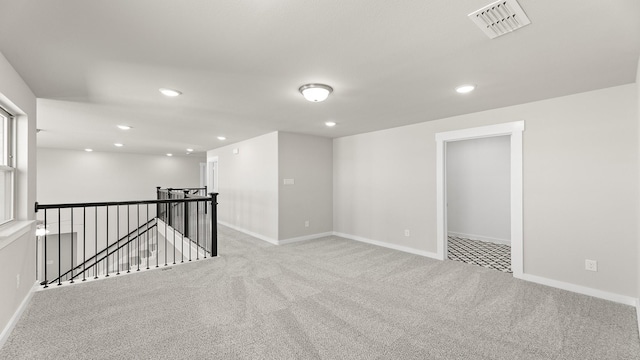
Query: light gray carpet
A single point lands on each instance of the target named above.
(323, 299)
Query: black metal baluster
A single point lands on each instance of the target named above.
(157, 239)
(59, 247)
(184, 231)
(198, 230)
(170, 210)
(146, 230)
(107, 248)
(165, 243)
(174, 241)
(129, 238)
(117, 238)
(46, 281)
(138, 236)
(95, 262)
(71, 232)
(84, 243)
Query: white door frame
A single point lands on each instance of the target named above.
(514, 130)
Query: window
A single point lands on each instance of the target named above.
(7, 167)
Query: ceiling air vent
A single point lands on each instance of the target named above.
(500, 17)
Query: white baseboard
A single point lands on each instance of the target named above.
(622, 299)
(248, 232)
(481, 238)
(274, 241)
(388, 245)
(16, 315)
(304, 238)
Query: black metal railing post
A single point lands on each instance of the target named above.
(214, 224)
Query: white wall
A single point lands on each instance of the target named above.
(248, 185)
(69, 176)
(308, 160)
(580, 185)
(17, 257)
(478, 188)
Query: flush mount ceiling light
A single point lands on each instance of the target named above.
(118, 144)
(170, 92)
(330, 123)
(88, 150)
(169, 154)
(124, 127)
(222, 138)
(315, 92)
(189, 150)
(465, 89)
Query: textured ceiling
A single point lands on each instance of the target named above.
(95, 64)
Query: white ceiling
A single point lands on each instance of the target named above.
(95, 64)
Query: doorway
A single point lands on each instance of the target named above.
(478, 193)
(513, 130)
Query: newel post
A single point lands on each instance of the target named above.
(214, 224)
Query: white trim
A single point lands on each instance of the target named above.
(255, 235)
(212, 167)
(274, 241)
(514, 129)
(622, 299)
(388, 245)
(304, 238)
(481, 238)
(638, 314)
(12, 231)
(16, 315)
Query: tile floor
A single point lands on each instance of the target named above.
(481, 253)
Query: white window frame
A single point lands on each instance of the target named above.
(8, 163)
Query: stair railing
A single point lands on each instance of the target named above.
(105, 237)
(106, 254)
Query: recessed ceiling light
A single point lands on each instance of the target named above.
(88, 150)
(118, 145)
(170, 92)
(190, 150)
(315, 92)
(464, 89)
(169, 154)
(222, 138)
(124, 127)
(330, 123)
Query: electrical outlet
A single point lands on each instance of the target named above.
(306, 223)
(18, 281)
(407, 233)
(591, 265)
